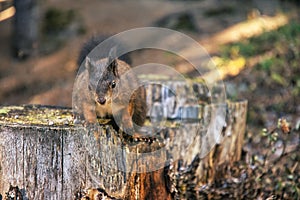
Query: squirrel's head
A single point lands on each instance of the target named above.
(103, 78)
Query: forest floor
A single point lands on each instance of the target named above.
(269, 76)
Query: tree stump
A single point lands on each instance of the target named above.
(48, 157)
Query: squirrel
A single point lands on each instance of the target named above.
(100, 92)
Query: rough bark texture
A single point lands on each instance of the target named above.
(54, 161)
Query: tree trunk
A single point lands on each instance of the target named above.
(26, 28)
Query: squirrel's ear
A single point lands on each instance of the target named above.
(88, 65)
(112, 61)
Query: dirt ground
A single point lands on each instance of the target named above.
(48, 79)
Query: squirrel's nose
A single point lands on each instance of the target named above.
(101, 100)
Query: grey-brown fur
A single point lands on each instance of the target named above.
(95, 96)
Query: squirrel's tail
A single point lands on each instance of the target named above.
(94, 42)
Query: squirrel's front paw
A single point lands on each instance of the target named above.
(127, 125)
(90, 125)
(78, 119)
(128, 130)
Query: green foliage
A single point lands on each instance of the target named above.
(272, 80)
(244, 48)
(265, 42)
(184, 23)
(279, 79)
(266, 64)
(56, 20)
(58, 26)
(287, 32)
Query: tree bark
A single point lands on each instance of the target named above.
(48, 157)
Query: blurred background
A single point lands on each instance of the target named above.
(255, 44)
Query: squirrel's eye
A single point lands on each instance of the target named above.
(113, 84)
(90, 87)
